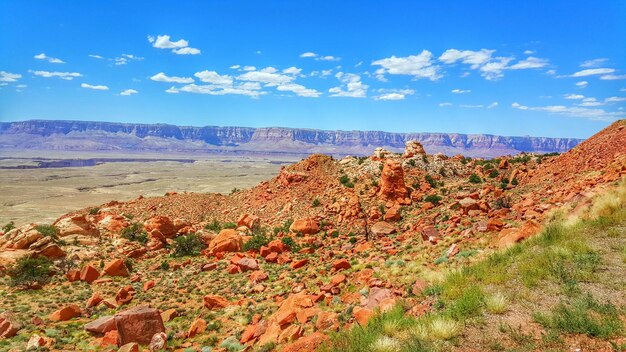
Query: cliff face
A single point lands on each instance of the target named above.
(88, 135)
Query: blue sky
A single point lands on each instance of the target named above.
(538, 68)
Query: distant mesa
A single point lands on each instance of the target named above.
(110, 136)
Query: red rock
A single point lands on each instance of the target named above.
(392, 187)
(418, 287)
(305, 227)
(284, 258)
(272, 257)
(277, 246)
(73, 275)
(327, 321)
(129, 347)
(258, 276)
(250, 221)
(299, 263)
(233, 269)
(382, 228)
(124, 295)
(66, 313)
(228, 240)
(89, 274)
(148, 285)
(169, 314)
(158, 341)
(101, 325)
(308, 343)
(341, 264)
(116, 268)
(247, 264)
(138, 324)
(338, 279)
(76, 225)
(393, 213)
(215, 301)
(362, 315)
(504, 164)
(413, 148)
(248, 333)
(111, 338)
(209, 266)
(161, 223)
(291, 333)
(9, 326)
(94, 300)
(377, 297)
(35, 342)
(198, 326)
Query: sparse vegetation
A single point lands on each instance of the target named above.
(30, 272)
(258, 240)
(187, 245)
(432, 198)
(48, 231)
(135, 233)
(316, 202)
(8, 227)
(475, 179)
(345, 180)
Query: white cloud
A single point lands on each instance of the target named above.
(573, 96)
(216, 90)
(214, 78)
(551, 72)
(9, 77)
(249, 68)
(172, 90)
(418, 66)
(493, 69)
(529, 62)
(292, 70)
(186, 51)
(592, 71)
(96, 56)
(180, 47)
(445, 104)
(468, 106)
(594, 62)
(98, 87)
(352, 86)
(162, 77)
(612, 77)
(473, 58)
(394, 94)
(615, 99)
(53, 60)
(328, 58)
(234, 67)
(582, 84)
(268, 76)
(492, 105)
(68, 76)
(126, 58)
(129, 92)
(580, 112)
(308, 54)
(529, 52)
(460, 91)
(299, 90)
(590, 102)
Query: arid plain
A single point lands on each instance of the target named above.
(43, 194)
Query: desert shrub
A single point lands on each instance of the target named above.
(514, 182)
(411, 162)
(316, 202)
(503, 202)
(229, 225)
(94, 211)
(435, 199)
(520, 159)
(285, 226)
(289, 242)
(29, 272)
(48, 231)
(345, 180)
(8, 227)
(187, 245)
(475, 179)
(214, 226)
(165, 265)
(135, 233)
(431, 181)
(494, 173)
(258, 240)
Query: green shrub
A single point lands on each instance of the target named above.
(8, 227)
(431, 181)
(345, 180)
(494, 173)
(29, 272)
(285, 227)
(258, 240)
(432, 198)
(316, 202)
(214, 226)
(514, 182)
(94, 211)
(135, 233)
(165, 265)
(48, 231)
(187, 245)
(289, 242)
(475, 179)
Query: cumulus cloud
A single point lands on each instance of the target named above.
(473, 58)
(162, 77)
(574, 96)
(214, 78)
(460, 91)
(216, 90)
(491, 68)
(582, 84)
(299, 90)
(53, 60)
(418, 66)
(234, 67)
(445, 104)
(529, 52)
(615, 99)
(394, 94)
(594, 62)
(308, 54)
(580, 112)
(592, 72)
(590, 102)
(180, 47)
(9, 77)
(129, 92)
(292, 70)
(351, 86)
(528, 63)
(126, 58)
(68, 76)
(267, 76)
(318, 57)
(249, 68)
(94, 87)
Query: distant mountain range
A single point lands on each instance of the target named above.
(110, 136)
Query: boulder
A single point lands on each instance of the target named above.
(250, 221)
(305, 226)
(341, 264)
(161, 223)
(76, 225)
(308, 343)
(392, 187)
(413, 148)
(101, 325)
(9, 326)
(228, 240)
(89, 274)
(116, 268)
(139, 324)
(66, 313)
(158, 342)
(382, 228)
(198, 326)
(215, 301)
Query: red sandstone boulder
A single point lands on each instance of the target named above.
(116, 268)
(161, 223)
(215, 301)
(308, 343)
(89, 274)
(76, 225)
(9, 326)
(228, 240)
(392, 187)
(382, 228)
(250, 221)
(101, 325)
(305, 226)
(198, 326)
(66, 313)
(341, 264)
(138, 324)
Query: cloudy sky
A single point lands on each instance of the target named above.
(510, 68)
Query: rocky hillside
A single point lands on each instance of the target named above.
(320, 248)
(106, 136)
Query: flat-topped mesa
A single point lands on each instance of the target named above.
(413, 148)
